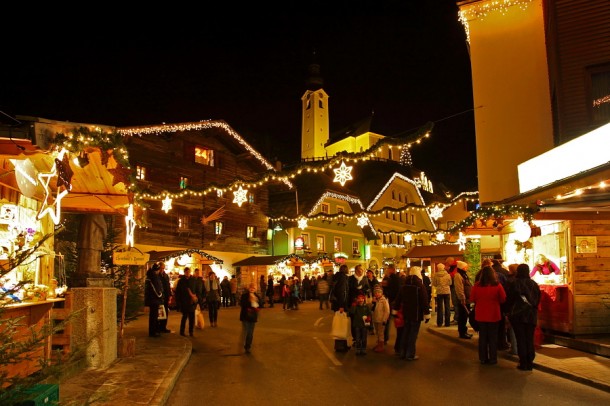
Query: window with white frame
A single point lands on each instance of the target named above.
(355, 247)
(250, 231)
(337, 243)
(305, 237)
(218, 227)
(321, 243)
(325, 208)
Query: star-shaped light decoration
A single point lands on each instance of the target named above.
(343, 174)
(130, 226)
(120, 174)
(436, 212)
(461, 241)
(240, 196)
(440, 236)
(408, 238)
(302, 221)
(53, 210)
(363, 221)
(167, 204)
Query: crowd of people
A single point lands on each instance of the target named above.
(502, 301)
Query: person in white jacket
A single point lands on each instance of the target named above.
(381, 314)
(441, 281)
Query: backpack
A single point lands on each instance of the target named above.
(467, 287)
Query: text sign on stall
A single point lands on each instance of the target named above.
(130, 258)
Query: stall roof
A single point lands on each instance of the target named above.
(434, 251)
(259, 260)
(165, 255)
(99, 187)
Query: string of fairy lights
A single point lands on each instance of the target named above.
(480, 10)
(81, 139)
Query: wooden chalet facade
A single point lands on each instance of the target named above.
(183, 161)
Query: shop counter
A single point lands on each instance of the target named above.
(555, 308)
(31, 314)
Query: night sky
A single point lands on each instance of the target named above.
(408, 68)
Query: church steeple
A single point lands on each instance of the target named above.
(315, 118)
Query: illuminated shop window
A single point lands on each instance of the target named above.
(204, 156)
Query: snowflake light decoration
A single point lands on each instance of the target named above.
(130, 226)
(343, 174)
(436, 212)
(408, 238)
(302, 223)
(363, 221)
(167, 204)
(440, 236)
(240, 196)
(461, 242)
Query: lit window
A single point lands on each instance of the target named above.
(183, 222)
(251, 198)
(184, 182)
(340, 209)
(204, 156)
(325, 208)
(218, 226)
(320, 243)
(250, 232)
(140, 172)
(305, 240)
(219, 193)
(355, 247)
(337, 244)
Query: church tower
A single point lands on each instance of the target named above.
(315, 127)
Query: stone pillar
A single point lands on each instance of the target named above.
(90, 244)
(94, 325)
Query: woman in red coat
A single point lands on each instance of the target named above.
(487, 295)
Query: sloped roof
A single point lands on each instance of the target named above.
(259, 260)
(353, 130)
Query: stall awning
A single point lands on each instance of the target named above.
(165, 255)
(434, 251)
(260, 260)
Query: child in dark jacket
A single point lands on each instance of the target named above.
(361, 319)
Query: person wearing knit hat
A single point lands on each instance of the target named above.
(381, 315)
(360, 314)
(413, 299)
(463, 286)
(441, 281)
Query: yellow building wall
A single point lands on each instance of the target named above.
(513, 120)
(356, 144)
